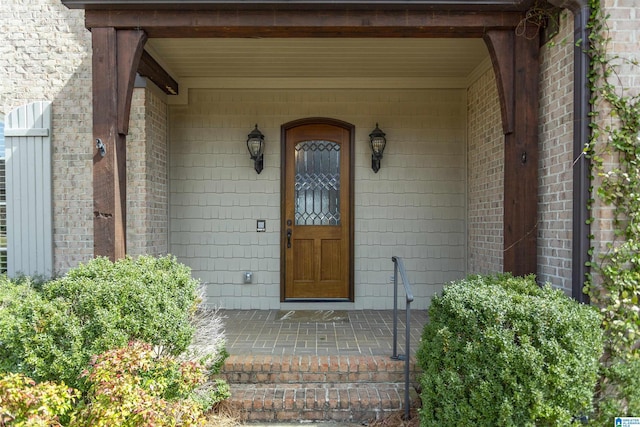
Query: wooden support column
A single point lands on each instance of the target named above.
(516, 64)
(116, 55)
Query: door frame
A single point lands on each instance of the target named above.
(351, 219)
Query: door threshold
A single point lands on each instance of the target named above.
(317, 305)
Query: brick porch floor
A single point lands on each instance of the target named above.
(367, 332)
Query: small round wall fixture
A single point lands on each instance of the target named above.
(255, 145)
(378, 142)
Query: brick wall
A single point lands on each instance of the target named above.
(414, 207)
(485, 176)
(622, 22)
(485, 166)
(56, 68)
(147, 180)
(555, 208)
(624, 32)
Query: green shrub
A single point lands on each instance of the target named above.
(501, 351)
(130, 386)
(618, 295)
(50, 332)
(147, 298)
(25, 403)
(38, 337)
(619, 393)
(133, 386)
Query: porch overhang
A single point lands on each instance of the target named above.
(460, 5)
(120, 29)
(256, 23)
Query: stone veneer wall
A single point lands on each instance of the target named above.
(555, 208)
(147, 177)
(485, 176)
(414, 207)
(56, 68)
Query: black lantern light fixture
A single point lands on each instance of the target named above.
(255, 144)
(378, 142)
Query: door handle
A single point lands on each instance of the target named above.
(288, 237)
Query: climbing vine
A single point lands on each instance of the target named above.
(614, 150)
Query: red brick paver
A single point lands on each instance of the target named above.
(296, 380)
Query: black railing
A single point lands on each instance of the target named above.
(398, 267)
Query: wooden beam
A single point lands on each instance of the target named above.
(518, 64)
(130, 47)
(501, 45)
(115, 58)
(296, 23)
(150, 69)
(107, 238)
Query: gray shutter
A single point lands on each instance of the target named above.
(29, 209)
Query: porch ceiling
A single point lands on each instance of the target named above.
(318, 57)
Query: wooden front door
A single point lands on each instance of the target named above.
(317, 211)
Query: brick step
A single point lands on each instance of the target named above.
(266, 369)
(343, 402)
(305, 388)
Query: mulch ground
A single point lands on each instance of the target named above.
(397, 420)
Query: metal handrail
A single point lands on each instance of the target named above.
(398, 266)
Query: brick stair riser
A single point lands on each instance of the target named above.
(288, 370)
(309, 377)
(348, 402)
(317, 388)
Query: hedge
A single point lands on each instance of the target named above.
(502, 351)
(50, 331)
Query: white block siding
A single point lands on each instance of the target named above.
(414, 207)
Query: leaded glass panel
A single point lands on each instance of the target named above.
(317, 183)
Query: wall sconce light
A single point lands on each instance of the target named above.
(255, 144)
(378, 142)
(102, 149)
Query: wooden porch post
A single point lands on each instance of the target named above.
(116, 54)
(516, 65)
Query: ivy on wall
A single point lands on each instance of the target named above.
(614, 150)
